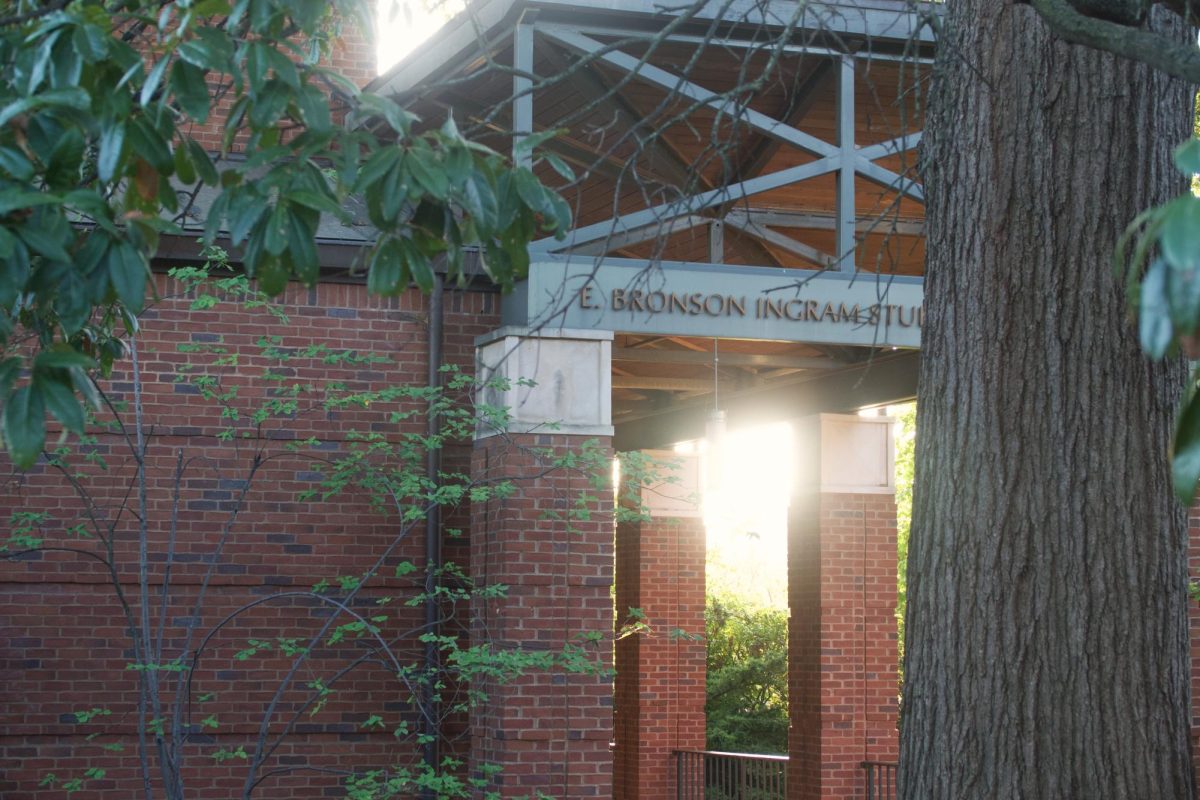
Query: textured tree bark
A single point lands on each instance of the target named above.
(1047, 639)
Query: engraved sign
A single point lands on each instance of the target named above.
(724, 301)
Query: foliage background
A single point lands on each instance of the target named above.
(747, 703)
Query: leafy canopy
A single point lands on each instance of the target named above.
(100, 103)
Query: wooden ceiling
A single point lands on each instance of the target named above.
(634, 145)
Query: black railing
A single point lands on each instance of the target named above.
(881, 780)
(708, 775)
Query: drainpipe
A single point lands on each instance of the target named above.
(433, 541)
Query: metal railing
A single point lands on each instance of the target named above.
(881, 780)
(709, 775)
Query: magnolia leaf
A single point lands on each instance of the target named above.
(1154, 317)
(61, 401)
(1187, 157)
(112, 143)
(1180, 233)
(25, 425)
(127, 273)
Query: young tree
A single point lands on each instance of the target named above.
(1047, 638)
(293, 450)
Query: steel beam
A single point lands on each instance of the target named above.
(639, 235)
(686, 205)
(523, 88)
(702, 359)
(674, 84)
(777, 218)
(846, 209)
(884, 379)
(807, 252)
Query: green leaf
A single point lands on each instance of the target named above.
(314, 107)
(71, 98)
(1183, 291)
(61, 400)
(256, 66)
(302, 247)
(479, 199)
(527, 144)
(1154, 314)
(428, 173)
(276, 240)
(529, 188)
(25, 425)
(203, 164)
(149, 144)
(15, 163)
(559, 166)
(112, 143)
(127, 273)
(184, 170)
(1187, 157)
(211, 50)
(385, 276)
(315, 201)
(399, 119)
(62, 357)
(1185, 461)
(190, 90)
(418, 265)
(272, 275)
(41, 239)
(153, 80)
(271, 102)
(380, 162)
(1180, 234)
(284, 68)
(90, 42)
(19, 200)
(10, 368)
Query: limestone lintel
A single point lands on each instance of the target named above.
(853, 454)
(553, 381)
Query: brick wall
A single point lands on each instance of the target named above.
(841, 641)
(660, 685)
(1194, 626)
(552, 729)
(63, 642)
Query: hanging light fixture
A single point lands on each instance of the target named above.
(714, 430)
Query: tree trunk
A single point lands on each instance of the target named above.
(1047, 637)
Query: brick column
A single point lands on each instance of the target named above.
(842, 653)
(660, 688)
(551, 543)
(1194, 626)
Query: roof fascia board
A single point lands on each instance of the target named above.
(876, 20)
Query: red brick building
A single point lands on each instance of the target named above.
(748, 234)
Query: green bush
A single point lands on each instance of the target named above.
(747, 702)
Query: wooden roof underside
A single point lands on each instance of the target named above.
(635, 145)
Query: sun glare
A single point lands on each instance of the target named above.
(402, 25)
(745, 512)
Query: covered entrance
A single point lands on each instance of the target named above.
(749, 235)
